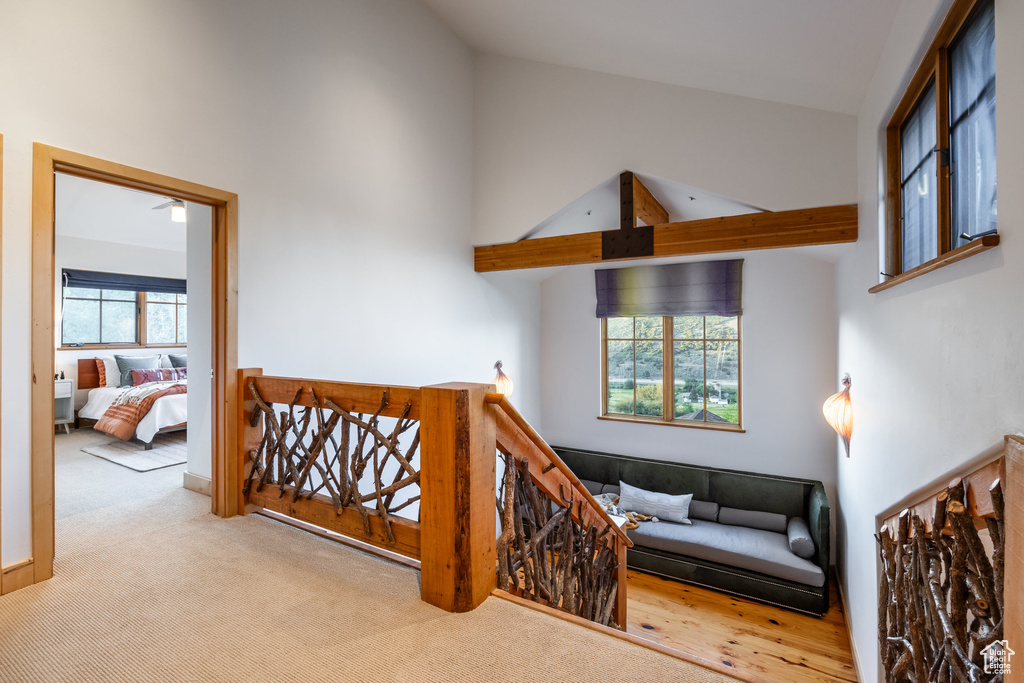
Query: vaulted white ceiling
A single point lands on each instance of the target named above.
(813, 53)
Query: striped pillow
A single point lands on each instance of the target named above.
(660, 505)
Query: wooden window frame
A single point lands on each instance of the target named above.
(668, 340)
(934, 66)
(141, 339)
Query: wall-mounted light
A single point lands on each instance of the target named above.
(838, 413)
(502, 381)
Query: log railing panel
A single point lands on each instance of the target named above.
(557, 546)
(941, 588)
(320, 446)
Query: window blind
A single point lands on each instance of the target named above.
(88, 279)
(702, 288)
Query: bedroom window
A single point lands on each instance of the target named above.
(166, 322)
(941, 158)
(122, 310)
(689, 363)
(99, 316)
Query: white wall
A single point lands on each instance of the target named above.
(788, 368)
(200, 340)
(938, 377)
(106, 257)
(547, 134)
(346, 129)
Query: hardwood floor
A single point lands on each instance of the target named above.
(756, 641)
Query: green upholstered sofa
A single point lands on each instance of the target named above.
(756, 564)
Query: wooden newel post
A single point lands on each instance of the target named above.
(458, 560)
(249, 436)
(620, 597)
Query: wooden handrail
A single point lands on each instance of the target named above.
(520, 424)
(972, 489)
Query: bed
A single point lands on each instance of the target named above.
(169, 413)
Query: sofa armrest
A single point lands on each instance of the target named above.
(819, 521)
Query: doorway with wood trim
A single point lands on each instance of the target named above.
(47, 162)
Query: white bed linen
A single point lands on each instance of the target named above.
(167, 411)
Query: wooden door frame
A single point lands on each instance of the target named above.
(46, 162)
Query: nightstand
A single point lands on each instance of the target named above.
(64, 403)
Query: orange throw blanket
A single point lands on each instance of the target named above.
(122, 418)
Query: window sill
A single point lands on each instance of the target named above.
(976, 247)
(115, 347)
(676, 423)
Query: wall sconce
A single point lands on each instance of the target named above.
(838, 413)
(502, 381)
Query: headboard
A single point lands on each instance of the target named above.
(88, 374)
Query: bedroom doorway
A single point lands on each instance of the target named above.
(132, 319)
(217, 255)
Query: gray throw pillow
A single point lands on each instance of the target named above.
(753, 519)
(178, 360)
(660, 505)
(125, 365)
(701, 509)
(800, 541)
(593, 486)
(610, 488)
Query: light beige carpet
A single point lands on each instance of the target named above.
(168, 450)
(158, 589)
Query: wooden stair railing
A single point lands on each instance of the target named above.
(348, 457)
(582, 571)
(948, 598)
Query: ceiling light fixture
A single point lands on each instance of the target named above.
(178, 213)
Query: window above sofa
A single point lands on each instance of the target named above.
(680, 370)
(670, 343)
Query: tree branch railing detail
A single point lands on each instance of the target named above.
(940, 599)
(557, 545)
(314, 449)
(545, 555)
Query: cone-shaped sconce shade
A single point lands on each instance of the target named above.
(502, 381)
(839, 413)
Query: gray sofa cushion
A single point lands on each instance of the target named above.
(701, 509)
(593, 486)
(754, 549)
(800, 541)
(755, 519)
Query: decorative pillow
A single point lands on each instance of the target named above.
(165, 361)
(110, 376)
(125, 364)
(800, 541)
(660, 505)
(178, 360)
(753, 519)
(610, 488)
(700, 509)
(593, 486)
(158, 375)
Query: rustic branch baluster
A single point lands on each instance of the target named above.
(940, 598)
(295, 445)
(546, 555)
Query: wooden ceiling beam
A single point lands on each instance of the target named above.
(747, 232)
(642, 203)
